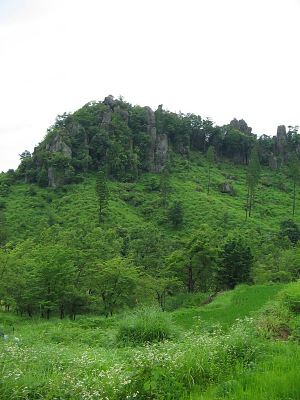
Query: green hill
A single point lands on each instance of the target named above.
(175, 218)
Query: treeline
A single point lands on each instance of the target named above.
(128, 140)
(95, 270)
(66, 272)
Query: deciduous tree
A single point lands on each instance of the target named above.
(194, 261)
(114, 282)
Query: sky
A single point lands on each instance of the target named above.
(221, 59)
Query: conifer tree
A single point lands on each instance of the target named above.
(253, 174)
(102, 192)
(210, 155)
(295, 175)
(165, 186)
(175, 214)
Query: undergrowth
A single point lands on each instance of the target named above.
(147, 355)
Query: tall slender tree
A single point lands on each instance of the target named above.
(294, 171)
(102, 192)
(165, 186)
(210, 155)
(253, 174)
(175, 213)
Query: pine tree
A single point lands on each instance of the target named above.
(210, 155)
(102, 192)
(253, 174)
(165, 186)
(295, 175)
(175, 214)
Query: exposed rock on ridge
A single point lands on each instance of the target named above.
(59, 146)
(84, 147)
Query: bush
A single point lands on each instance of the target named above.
(291, 297)
(146, 324)
(273, 320)
(295, 328)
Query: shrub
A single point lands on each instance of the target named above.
(273, 320)
(146, 324)
(291, 297)
(295, 328)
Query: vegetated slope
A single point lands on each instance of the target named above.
(226, 307)
(29, 208)
(170, 216)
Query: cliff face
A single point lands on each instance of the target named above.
(110, 134)
(127, 140)
(158, 148)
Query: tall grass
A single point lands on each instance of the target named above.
(228, 306)
(146, 324)
(79, 360)
(275, 377)
(168, 369)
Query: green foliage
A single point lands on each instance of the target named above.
(237, 145)
(195, 259)
(102, 192)
(290, 296)
(273, 320)
(294, 171)
(165, 185)
(210, 155)
(135, 226)
(279, 319)
(289, 229)
(114, 282)
(175, 213)
(236, 264)
(146, 324)
(81, 359)
(253, 175)
(145, 246)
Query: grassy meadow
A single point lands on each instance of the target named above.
(224, 350)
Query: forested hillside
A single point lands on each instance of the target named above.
(121, 205)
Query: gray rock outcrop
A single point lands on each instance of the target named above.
(281, 139)
(106, 120)
(241, 125)
(59, 146)
(226, 188)
(109, 101)
(161, 152)
(158, 149)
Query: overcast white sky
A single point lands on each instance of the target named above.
(216, 58)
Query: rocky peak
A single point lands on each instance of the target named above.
(109, 101)
(241, 125)
(281, 139)
(59, 146)
(158, 149)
